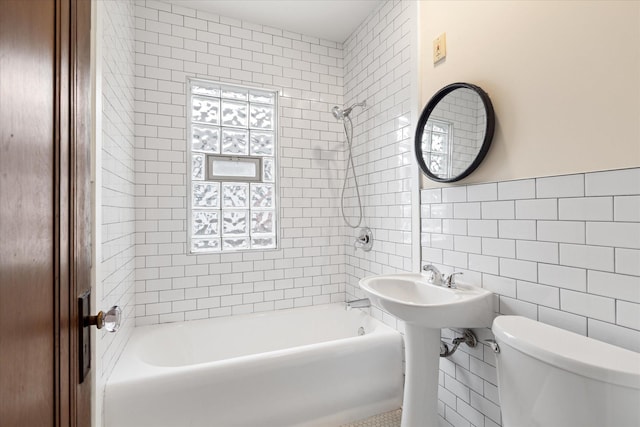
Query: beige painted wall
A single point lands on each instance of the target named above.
(563, 76)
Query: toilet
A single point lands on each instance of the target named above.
(552, 377)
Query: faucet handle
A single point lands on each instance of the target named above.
(450, 281)
(364, 240)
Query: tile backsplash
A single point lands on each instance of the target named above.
(562, 250)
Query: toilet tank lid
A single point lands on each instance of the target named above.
(569, 351)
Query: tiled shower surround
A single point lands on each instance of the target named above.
(173, 43)
(563, 250)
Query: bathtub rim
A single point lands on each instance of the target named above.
(131, 368)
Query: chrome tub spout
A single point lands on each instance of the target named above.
(358, 303)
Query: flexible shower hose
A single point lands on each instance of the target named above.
(349, 136)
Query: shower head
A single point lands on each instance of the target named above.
(337, 112)
(340, 114)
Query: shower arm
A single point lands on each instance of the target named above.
(348, 110)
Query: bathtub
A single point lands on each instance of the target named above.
(312, 366)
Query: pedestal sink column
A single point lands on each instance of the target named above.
(420, 404)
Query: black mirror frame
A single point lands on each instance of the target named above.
(488, 136)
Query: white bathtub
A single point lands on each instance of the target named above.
(300, 367)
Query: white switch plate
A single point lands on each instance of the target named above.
(440, 48)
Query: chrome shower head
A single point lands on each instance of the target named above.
(340, 114)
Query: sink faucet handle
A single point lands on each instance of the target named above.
(450, 281)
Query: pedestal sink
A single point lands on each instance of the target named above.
(426, 308)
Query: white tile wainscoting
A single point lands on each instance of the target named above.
(563, 250)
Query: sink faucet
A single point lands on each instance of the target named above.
(440, 279)
(358, 303)
(436, 276)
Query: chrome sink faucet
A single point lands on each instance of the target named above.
(440, 279)
(436, 276)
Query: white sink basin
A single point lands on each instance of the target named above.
(425, 309)
(411, 298)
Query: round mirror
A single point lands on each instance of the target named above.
(454, 132)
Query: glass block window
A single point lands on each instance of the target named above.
(232, 140)
(436, 146)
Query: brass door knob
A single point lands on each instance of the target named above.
(109, 320)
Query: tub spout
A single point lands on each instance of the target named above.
(358, 303)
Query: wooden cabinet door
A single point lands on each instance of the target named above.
(44, 209)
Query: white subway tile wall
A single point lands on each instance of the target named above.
(377, 69)
(549, 253)
(117, 179)
(173, 43)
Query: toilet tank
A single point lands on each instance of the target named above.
(552, 377)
